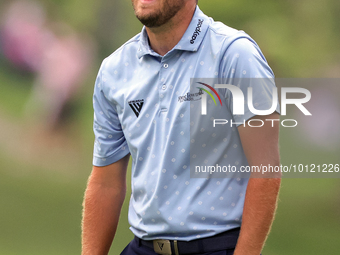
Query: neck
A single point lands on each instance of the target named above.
(164, 38)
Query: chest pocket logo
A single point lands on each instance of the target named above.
(136, 106)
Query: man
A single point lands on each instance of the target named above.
(143, 104)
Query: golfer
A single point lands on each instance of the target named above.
(149, 107)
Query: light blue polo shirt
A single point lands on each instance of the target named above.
(141, 107)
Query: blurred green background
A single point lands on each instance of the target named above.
(44, 168)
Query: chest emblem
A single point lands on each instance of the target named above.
(136, 106)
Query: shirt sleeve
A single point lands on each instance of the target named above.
(245, 66)
(110, 144)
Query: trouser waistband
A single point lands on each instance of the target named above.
(223, 241)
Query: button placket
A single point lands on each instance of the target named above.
(163, 87)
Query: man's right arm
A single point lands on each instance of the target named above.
(104, 197)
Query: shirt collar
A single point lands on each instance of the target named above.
(191, 40)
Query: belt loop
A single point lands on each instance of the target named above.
(176, 247)
(139, 241)
(201, 247)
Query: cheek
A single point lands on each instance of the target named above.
(134, 3)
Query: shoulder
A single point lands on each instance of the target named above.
(116, 67)
(237, 51)
(220, 29)
(124, 53)
(225, 33)
(226, 40)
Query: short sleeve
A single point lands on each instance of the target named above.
(110, 144)
(245, 66)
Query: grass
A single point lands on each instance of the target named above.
(307, 220)
(40, 212)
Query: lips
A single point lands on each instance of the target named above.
(147, 1)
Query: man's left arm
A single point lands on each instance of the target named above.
(260, 145)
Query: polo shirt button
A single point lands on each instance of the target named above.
(165, 65)
(163, 87)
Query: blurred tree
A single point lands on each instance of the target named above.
(297, 37)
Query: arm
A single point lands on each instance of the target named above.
(261, 147)
(104, 197)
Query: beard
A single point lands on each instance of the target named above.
(161, 16)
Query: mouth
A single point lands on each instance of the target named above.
(147, 1)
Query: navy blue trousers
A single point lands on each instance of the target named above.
(134, 248)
